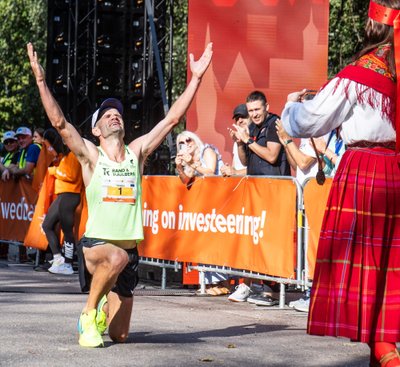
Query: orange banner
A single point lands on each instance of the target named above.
(17, 205)
(35, 236)
(315, 198)
(245, 223)
(273, 46)
(241, 222)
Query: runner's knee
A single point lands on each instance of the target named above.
(118, 260)
(118, 337)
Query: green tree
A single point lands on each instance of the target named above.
(180, 30)
(346, 28)
(22, 21)
(179, 55)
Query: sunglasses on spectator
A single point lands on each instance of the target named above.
(22, 137)
(186, 141)
(8, 142)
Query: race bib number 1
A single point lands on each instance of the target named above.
(119, 190)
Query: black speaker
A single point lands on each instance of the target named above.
(98, 49)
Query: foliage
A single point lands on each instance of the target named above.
(22, 21)
(179, 56)
(346, 28)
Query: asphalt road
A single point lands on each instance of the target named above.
(39, 311)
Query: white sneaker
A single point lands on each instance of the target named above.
(61, 267)
(241, 293)
(57, 261)
(303, 307)
(297, 303)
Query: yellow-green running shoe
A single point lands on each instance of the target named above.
(101, 317)
(89, 336)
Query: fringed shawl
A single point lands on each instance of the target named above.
(376, 85)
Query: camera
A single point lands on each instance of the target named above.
(310, 94)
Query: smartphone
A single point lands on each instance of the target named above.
(182, 148)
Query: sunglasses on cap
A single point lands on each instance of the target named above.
(186, 141)
(8, 142)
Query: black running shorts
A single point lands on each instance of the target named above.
(127, 279)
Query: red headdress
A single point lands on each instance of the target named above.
(382, 14)
(390, 17)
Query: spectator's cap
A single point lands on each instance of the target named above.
(9, 135)
(106, 105)
(23, 131)
(240, 111)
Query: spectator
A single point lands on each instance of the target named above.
(259, 145)
(68, 186)
(303, 159)
(38, 135)
(355, 288)
(11, 146)
(194, 158)
(26, 159)
(331, 151)
(260, 149)
(241, 117)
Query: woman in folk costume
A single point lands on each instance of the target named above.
(356, 289)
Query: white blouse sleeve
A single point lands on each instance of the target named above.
(328, 110)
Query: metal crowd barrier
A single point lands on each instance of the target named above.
(301, 281)
(164, 265)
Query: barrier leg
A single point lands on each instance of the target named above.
(282, 296)
(37, 258)
(202, 282)
(304, 285)
(163, 278)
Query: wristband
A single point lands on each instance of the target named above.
(250, 141)
(288, 141)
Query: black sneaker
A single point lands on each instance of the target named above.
(262, 300)
(43, 267)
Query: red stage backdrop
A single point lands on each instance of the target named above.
(274, 46)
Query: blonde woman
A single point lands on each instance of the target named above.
(195, 158)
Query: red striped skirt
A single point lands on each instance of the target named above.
(356, 286)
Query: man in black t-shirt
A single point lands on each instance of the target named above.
(259, 145)
(260, 149)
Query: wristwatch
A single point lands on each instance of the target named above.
(288, 141)
(250, 141)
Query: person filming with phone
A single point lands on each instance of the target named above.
(195, 158)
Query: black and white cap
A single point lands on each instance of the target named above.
(106, 105)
